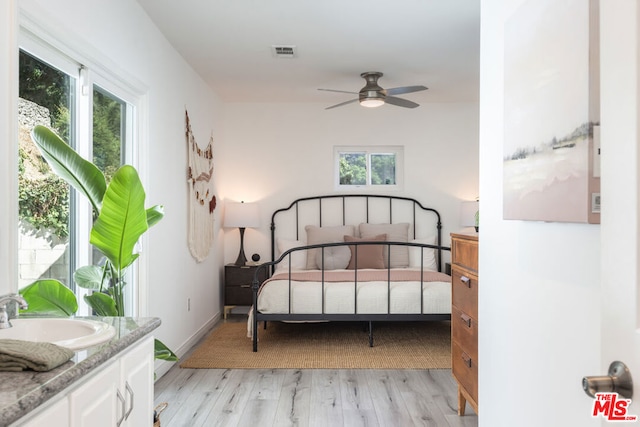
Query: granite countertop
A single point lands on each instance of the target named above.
(22, 392)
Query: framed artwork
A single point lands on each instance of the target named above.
(551, 112)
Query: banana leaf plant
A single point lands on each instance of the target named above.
(120, 218)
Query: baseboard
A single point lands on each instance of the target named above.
(163, 366)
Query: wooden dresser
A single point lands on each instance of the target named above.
(464, 317)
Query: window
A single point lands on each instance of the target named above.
(96, 117)
(368, 167)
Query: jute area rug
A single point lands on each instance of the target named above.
(334, 345)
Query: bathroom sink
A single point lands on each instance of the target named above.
(75, 334)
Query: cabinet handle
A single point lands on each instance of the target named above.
(122, 407)
(466, 319)
(245, 286)
(466, 281)
(131, 398)
(466, 359)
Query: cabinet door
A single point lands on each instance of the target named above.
(96, 403)
(137, 384)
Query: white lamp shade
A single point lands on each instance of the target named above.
(242, 215)
(468, 213)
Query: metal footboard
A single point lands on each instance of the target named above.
(369, 318)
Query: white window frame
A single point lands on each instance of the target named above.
(369, 150)
(64, 51)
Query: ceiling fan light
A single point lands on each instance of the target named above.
(372, 102)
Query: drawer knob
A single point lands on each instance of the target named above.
(466, 281)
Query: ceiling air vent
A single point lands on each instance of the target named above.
(283, 51)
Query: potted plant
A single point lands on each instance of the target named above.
(120, 218)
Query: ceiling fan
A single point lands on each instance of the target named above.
(372, 95)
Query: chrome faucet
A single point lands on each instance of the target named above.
(4, 316)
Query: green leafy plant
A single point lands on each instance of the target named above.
(43, 202)
(120, 220)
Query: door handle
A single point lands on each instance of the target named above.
(132, 397)
(123, 407)
(619, 381)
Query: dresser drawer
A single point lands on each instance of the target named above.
(464, 288)
(465, 370)
(464, 331)
(464, 253)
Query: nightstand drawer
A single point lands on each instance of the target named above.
(464, 287)
(465, 253)
(465, 370)
(464, 331)
(238, 295)
(239, 276)
(238, 281)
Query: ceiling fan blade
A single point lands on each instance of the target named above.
(340, 91)
(405, 89)
(351, 101)
(400, 102)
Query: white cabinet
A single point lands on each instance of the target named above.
(118, 393)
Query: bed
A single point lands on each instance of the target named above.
(352, 257)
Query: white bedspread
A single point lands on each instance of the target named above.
(340, 297)
(372, 293)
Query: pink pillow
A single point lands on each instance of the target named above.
(369, 256)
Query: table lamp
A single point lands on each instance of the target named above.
(241, 215)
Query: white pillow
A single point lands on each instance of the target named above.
(298, 258)
(335, 257)
(317, 235)
(428, 254)
(395, 233)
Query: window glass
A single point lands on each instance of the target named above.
(108, 131)
(383, 169)
(353, 168)
(46, 98)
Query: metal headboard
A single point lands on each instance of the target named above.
(393, 202)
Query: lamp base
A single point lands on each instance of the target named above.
(241, 261)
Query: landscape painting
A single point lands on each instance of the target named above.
(550, 106)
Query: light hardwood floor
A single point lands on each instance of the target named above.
(309, 397)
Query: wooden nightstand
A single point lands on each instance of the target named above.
(237, 285)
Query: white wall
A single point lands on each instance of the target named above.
(274, 153)
(9, 138)
(120, 36)
(539, 310)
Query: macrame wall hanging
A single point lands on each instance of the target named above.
(202, 201)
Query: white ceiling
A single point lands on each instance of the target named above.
(434, 43)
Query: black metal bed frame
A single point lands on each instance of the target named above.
(269, 267)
